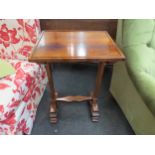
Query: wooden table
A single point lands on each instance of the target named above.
(75, 46)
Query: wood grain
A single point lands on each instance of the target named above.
(75, 46)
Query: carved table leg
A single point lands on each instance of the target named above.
(93, 102)
(53, 108)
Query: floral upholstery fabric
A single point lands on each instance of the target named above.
(18, 37)
(21, 92)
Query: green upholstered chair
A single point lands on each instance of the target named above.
(133, 81)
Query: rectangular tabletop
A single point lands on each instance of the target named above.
(57, 46)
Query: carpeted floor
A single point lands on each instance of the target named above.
(74, 119)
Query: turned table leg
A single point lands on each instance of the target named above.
(93, 102)
(53, 108)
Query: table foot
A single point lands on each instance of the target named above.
(94, 111)
(53, 113)
(53, 117)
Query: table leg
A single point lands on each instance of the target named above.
(53, 108)
(93, 102)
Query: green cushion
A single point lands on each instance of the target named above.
(138, 44)
(152, 43)
(6, 68)
(137, 32)
(142, 72)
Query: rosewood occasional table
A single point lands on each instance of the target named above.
(75, 46)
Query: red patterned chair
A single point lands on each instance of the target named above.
(21, 92)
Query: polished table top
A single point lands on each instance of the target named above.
(57, 46)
